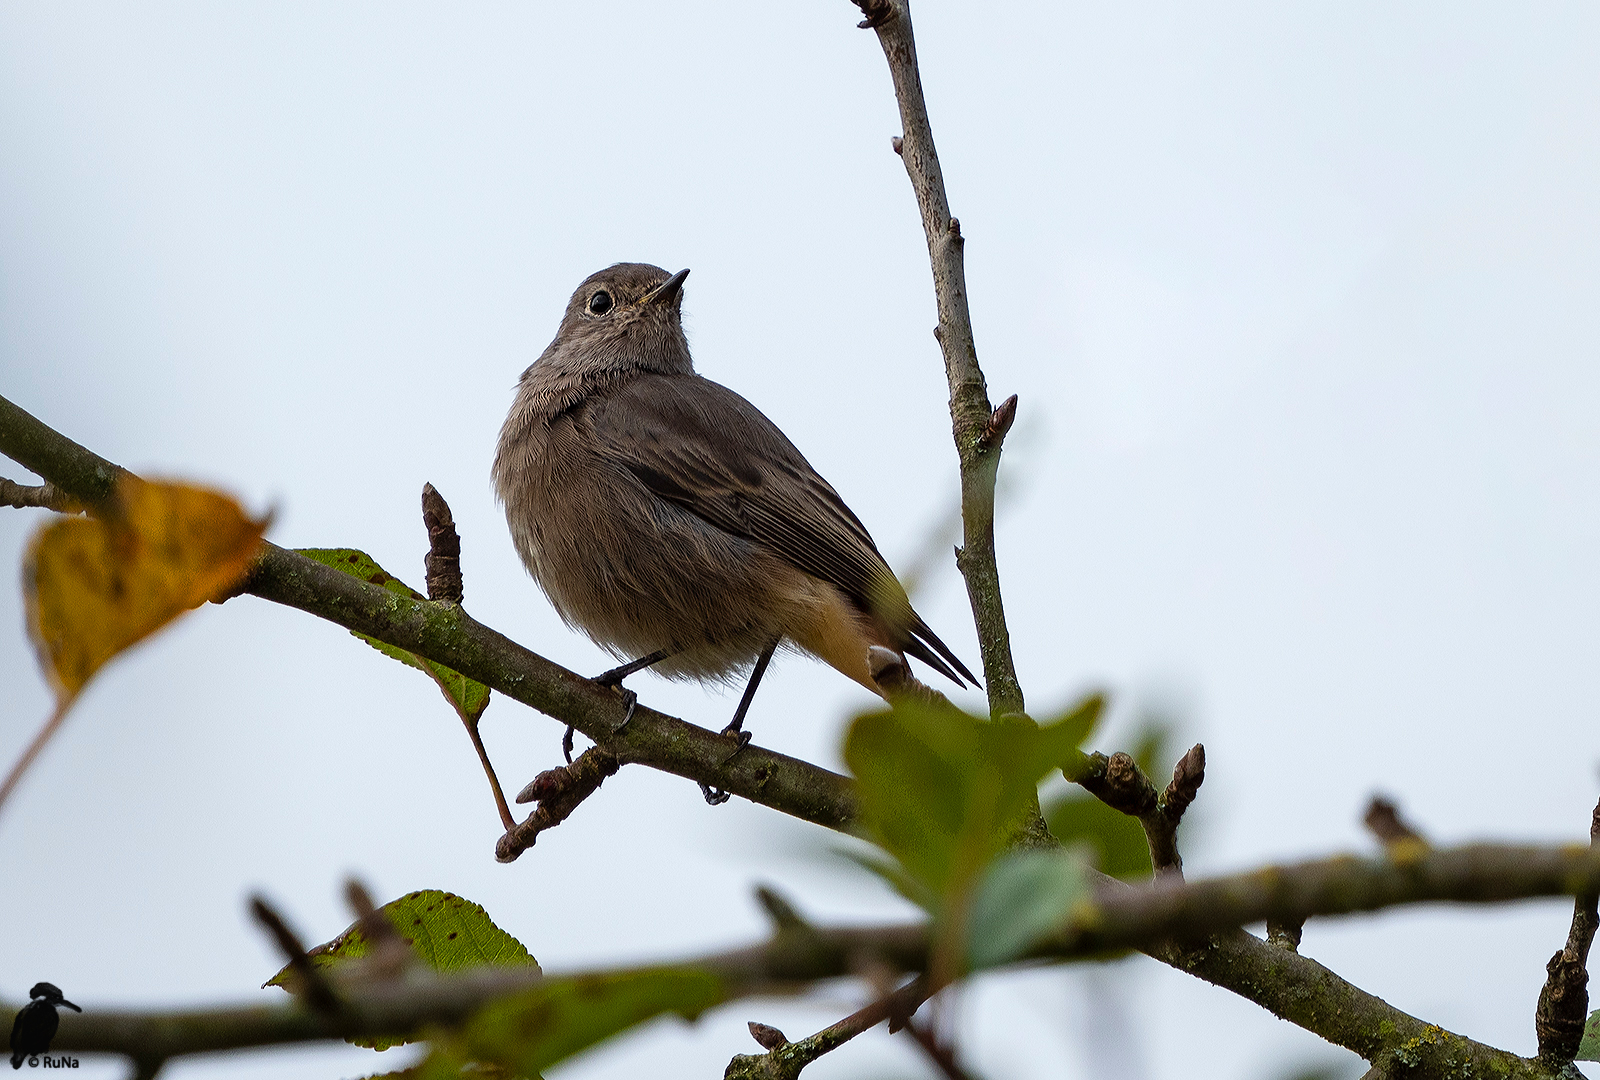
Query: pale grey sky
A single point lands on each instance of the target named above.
(1299, 300)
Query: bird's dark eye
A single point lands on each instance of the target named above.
(600, 303)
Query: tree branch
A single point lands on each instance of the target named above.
(979, 429)
(446, 634)
(558, 792)
(1118, 782)
(1153, 916)
(46, 495)
(785, 1060)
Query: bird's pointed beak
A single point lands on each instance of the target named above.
(667, 291)
(70, 1005)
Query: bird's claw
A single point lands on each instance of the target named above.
(716, 796)
(631, 701)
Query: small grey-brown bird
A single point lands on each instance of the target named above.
(668, 519)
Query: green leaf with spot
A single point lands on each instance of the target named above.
(469, 696)
(447, 933)
(558, 1018)
(1021, 900)
(1589, 1048)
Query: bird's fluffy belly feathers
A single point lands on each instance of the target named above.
(680, 582)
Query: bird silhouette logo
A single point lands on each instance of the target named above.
(36, 1024)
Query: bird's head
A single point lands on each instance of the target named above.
(627, 316)
(51, 994)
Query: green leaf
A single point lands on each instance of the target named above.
(912, 769)
(1117, 839)
(942, 790)
(1022, 898)
(446, 932)
(1589, 1048)
(561, 1017)
(469, 696)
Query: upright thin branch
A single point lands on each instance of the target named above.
(979, 428)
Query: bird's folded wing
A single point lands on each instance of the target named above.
(701, 446)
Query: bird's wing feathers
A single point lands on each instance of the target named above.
(703, 447)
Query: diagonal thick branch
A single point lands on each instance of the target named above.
(446, 634)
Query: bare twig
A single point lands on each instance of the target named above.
(1118, 782)
(558, 792)
(46, 495)
(784, 1060)
(1161, 827)
(979, 428)
(443, 562)
(1564, 1002)
(309, 983)
(942, 1055)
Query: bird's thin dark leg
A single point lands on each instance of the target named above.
(736, 726)
(614, 678)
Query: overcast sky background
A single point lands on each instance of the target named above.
(1299, 301)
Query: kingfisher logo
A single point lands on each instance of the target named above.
(36, 1025)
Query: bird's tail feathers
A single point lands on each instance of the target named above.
(926, 646)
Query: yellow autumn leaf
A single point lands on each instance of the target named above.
(96, 585)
